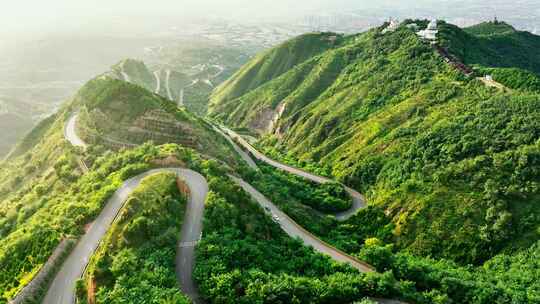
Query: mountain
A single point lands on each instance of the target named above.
(117, 114)
(449, 164)
(50, 191)
(191, 91)
(454, 163)
(272, 64)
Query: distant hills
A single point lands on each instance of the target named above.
(452, 161)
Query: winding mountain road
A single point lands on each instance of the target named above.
(296, 231)
(158, 82)
(247, 159)
(287, 224)
(62, 289)
(167, 79)
(358, 201)
(181, 98)
(70, 132)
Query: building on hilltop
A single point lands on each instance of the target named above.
(432, 26)
(430, 33)
(392, 26)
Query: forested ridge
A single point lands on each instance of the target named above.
(451, 162)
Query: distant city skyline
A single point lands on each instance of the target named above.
(36, 16)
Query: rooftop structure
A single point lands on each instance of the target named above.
(430, 33)
(432, 26)
(394, 24)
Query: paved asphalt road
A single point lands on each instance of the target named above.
(191, 233)
(71, 135)
(238, 150)
(62, 289)
(358, 201)
(294, 230)
(158, 82)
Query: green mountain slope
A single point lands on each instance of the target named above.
(453, 162)
(47, 196)
(272, 64)
(118, 114)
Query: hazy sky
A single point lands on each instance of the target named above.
(18, 16)
(29, 15)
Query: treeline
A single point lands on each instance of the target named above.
(326, 198)
(503, 279)
(506, 278)
(297, 197)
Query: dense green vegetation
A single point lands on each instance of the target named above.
(136, 260)
(451, 170)
(44, 197)
(514, 78)
(49, 201)
(244, 257)
(297, 197)
(452, 163)
(503, 279)
(327, 198)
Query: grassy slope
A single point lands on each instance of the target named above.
(438, 151)
(270, 65)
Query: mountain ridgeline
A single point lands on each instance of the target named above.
(454, 163)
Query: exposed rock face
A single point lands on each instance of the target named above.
(267, 119)
(277, 115)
